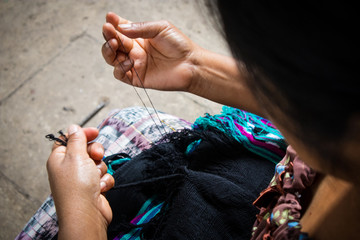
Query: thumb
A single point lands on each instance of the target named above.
(77, 142)
(144, 29)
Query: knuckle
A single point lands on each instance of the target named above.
(111, 181)
(108, 55)
(117, 74)
(103, 167)
(165, 23)
(140, 25)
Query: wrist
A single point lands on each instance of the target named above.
(218, 78)
(198, 61)
(213, 72)
(80, 221)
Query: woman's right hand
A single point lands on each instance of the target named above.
(162, 56)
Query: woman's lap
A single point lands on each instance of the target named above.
(130, 131)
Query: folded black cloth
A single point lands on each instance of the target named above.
(207, 181)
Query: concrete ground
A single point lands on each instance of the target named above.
(52, 74)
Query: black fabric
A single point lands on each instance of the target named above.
(208, 193)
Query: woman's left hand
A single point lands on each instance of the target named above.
(77, 179)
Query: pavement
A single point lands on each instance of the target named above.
(52, 74)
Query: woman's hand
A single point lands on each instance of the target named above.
(165, 59)
(162, 56)
(77, 178)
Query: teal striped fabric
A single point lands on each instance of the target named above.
(255, 133)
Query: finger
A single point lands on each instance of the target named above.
(55, 146)
(115, 20)
(56, 156)
(108, 51)
(106, 182)
(125, 44)
(144, 29)
(102, 168)
(110, 55)
(95, 151)
(59, 140)
(77, 142)
(122, 71)
(128, 79)
(104, 204)
(120, 57)
(91, 133)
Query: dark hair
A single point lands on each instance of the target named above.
(301, 55)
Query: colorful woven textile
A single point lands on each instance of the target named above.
(132, 130)
(146, 213)
(257, 134)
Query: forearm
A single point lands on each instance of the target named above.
(217, 78)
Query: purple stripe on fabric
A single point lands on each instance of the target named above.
(114, 123)
(259, 143)
(268, 123)
(137, 218)
(268, 145)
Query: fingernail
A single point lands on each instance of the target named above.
(99, 170)
(127, 62)
(73, 129)
(125, 26)
(102, 185)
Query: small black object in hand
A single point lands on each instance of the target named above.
(58, 141)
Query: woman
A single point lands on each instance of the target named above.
(295, 67)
